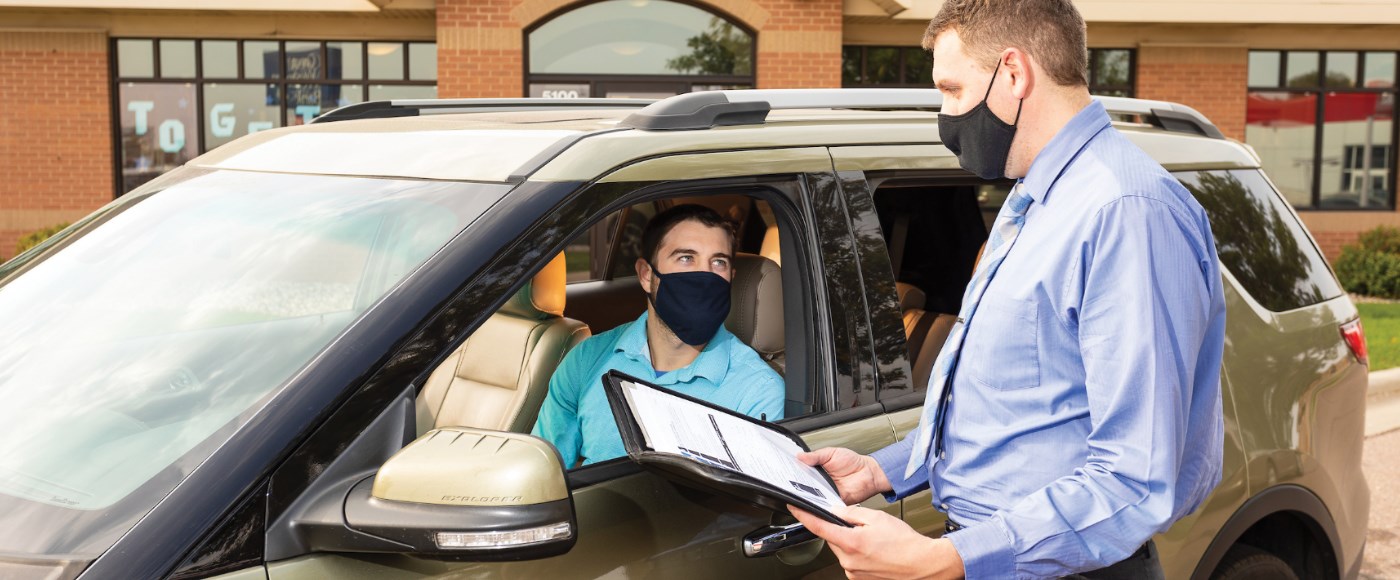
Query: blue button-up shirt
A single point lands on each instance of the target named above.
(1085, 412)
(576, 417)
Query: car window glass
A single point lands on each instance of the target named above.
(586, 257)
(629, 239)
(127, 347)
(1260, 241)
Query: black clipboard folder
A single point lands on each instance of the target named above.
(699, 474)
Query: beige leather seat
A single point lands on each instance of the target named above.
(497, 379)
(756, 307)
(771, 247)
(926, 332)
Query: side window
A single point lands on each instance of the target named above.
(500, 377)
(933, 232)
(1260, 240)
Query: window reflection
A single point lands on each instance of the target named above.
(385, 60)
(640, 37)
(391, 92)
(220, 59)
(345, 60)
(1281, 128)
(1356, 150)
(304, 60)
(1260, 241)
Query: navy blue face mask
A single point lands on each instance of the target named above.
(980, 139)
(692, 304)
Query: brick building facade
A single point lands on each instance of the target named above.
(98, 96)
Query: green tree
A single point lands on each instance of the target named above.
(720, 50)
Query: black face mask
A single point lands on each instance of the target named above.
(980, 139)
(692, 304)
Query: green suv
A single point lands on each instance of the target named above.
(315, 352)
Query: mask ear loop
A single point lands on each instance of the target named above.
(1019, 102)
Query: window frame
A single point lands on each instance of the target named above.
(1321, 91)
(199, 81)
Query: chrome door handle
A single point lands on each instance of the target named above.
(768, 540)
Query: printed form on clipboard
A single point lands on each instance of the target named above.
(718, 449)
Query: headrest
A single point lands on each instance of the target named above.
(543, 295)
(910, 296)
(756, 309)
(771, 249)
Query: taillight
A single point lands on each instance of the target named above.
(1356, 340)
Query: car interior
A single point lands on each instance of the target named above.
(497, 378)
(932, 268)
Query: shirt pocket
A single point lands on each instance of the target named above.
(1008, 350)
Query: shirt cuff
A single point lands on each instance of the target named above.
(986, 550)
(893, 460)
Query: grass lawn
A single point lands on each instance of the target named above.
(1382, 325)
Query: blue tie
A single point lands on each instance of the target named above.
(1004, 230)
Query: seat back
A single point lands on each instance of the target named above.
(498, 378)
(926, 332)
(756, 307)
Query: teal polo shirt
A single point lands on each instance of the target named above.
(576, 417)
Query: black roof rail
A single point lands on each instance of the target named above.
(416, 107)
(703, 110)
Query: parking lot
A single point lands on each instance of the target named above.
(1381, 460)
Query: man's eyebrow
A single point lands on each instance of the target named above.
(679, 251)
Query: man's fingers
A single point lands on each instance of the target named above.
(818, 457)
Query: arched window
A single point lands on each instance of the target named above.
(637, 48)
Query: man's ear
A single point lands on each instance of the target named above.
(643, 274)
(1017, 65)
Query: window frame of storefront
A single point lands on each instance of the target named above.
(1315, 199)
(199, 80)
(594, 81)
(1094, 86)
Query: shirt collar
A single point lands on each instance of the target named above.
(1047, 167)
(712, 364)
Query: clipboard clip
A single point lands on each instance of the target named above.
(769, 540)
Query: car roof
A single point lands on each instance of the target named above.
(515, 139)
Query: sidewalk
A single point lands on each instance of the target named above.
(1383, 402)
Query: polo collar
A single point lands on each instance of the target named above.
(712, 364)
(1063, 148)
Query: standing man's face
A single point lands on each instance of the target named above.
(963, 82)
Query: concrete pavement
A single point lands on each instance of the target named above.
(1383, 402)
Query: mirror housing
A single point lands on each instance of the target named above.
(468, 494)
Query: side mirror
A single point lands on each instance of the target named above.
(469, 494)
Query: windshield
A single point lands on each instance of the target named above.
(140, 337)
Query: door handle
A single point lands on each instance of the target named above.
(768, 540)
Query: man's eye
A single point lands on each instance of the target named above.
(721, 263)
(686, 259)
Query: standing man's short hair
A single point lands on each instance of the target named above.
(662, 224)
(1050, 31)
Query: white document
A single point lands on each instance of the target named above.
(675, 425)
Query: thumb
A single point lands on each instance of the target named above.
(818, 457)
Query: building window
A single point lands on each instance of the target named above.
(637, 49)
(886, 66)
(1110, 69)
(1322, 122)
(177, 98)
(1111, 72)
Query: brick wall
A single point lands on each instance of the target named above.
(55, 130)
(481, 52)
(1213, 80)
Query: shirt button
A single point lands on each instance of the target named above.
(943, 506)
(942, 454)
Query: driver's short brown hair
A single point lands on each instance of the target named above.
(1050, 31)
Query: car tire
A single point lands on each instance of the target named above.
(1245, 562)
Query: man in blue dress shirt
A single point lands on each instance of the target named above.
(1075, 409)
(679, 342)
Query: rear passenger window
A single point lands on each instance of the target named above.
(1260, 240)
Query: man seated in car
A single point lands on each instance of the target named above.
(679, 342)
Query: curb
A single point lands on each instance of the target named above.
(1384, 384)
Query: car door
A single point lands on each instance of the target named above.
(633, 523)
